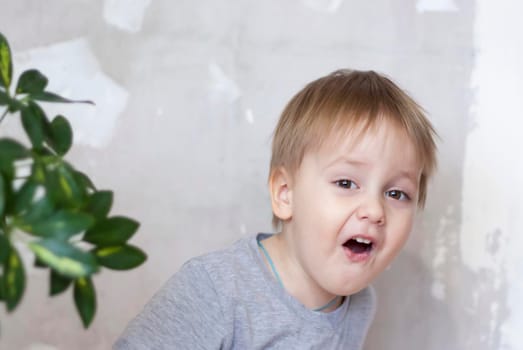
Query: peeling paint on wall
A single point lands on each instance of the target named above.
(249, 116)
(221, 85)
(126, 15)
(75, 73)
(436, 6)
(439, 261)
(328, 6)
(490, 238)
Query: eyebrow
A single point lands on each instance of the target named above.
(350, 161)
(410, 175)
(347, 160)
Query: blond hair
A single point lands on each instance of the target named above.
(340, 101)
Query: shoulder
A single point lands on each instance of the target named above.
(219, 266)
(235, 274)
(191, 309)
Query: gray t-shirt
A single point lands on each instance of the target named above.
(229, 300)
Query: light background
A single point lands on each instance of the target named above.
(187, 94)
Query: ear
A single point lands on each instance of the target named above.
(281, 194)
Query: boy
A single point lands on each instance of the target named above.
(351, 157)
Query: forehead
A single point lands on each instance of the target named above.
(383, 141)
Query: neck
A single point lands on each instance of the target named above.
(294, 278)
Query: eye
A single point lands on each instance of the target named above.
(397, 195)
(344, 183)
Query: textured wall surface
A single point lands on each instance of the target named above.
(187, 94)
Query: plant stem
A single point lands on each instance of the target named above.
(3, 115)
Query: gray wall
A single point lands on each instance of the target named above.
(187, 95)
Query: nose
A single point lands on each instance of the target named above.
(371, 209)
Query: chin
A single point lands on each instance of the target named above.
(350, 288)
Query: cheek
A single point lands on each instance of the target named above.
(325, 219)
(312, 207)
(401, 228)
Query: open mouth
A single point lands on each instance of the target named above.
(359, 245)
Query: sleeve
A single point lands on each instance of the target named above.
(184, 314)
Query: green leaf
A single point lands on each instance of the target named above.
(6, 65)
(14, 105)
(35, 124)
(84, 181)
(62, 225)
(24, 197)
(14, 280)
(11, 149)
(2, 288)
(63, 187)
(111, 231)
(36, 212)
(4, 248)
(63, 257)
(7, 167)
(99, 204)
(85, 300)
(31, 81)
(47, 96)
(61, 135)
(2, 196)
(4, 98)
(38, 171)
(58, 283)
(123, 257)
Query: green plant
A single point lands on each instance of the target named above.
(50, 206)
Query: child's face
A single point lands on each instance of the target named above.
(353, 206)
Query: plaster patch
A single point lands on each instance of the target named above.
(74, 72)
(493, 165)
(439, 261)
(441, 251)
(327, 6)
(221, 85)
(436, 6)
(249, 116)
(125, 15)
(490, 238)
